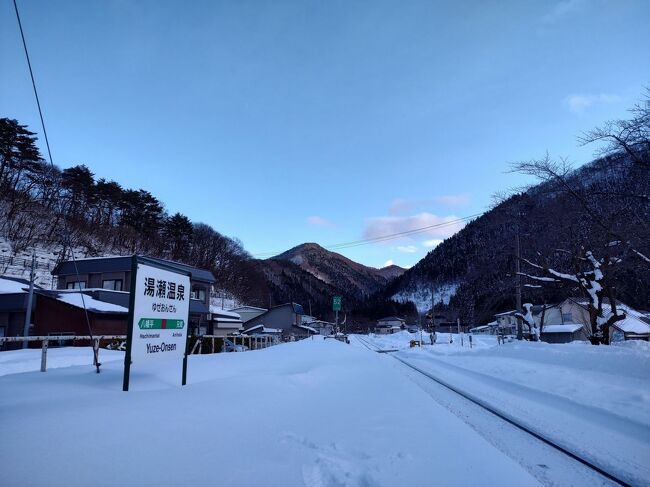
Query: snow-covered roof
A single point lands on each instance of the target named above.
(10, 285)
(258, 329)
(308, 328)
(247, 308)
(634, 322)
(479, 328)
(391, 318)
(75, 299)
(565, 328)
(223, 313)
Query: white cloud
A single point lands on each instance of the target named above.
(453, 200)
(319, 221)
(408, 249)
(388, 263)
(566, 8)
(389, 225)
(578, 103)
(434, 242)
(400, 206)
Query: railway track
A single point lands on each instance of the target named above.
(500, 414)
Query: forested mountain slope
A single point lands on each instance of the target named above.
(603, 206)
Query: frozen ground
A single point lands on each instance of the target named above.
(592, 400)
(312, 413)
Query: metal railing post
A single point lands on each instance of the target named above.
(44, 356)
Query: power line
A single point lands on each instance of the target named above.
(31, 73)
(383, 238)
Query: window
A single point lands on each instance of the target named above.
(198, 293)
(76, 285)
(567, 317)
(112, 284)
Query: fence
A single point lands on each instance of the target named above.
(61, 338)
(215, 344)
(218, 344)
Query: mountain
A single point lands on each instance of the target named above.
(474, 270)
(391, 272)
(353, 279)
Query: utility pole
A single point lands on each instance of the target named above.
(336, 320)
(520, 333)
(30, 297)
(433, 304)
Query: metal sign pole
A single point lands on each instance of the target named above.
(129, 325)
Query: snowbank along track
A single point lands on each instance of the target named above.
(500, 414)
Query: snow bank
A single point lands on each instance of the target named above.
(29, 360)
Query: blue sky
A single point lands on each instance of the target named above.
(287, 122)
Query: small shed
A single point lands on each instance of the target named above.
(224, 323)
(635, 326)
(566, 333)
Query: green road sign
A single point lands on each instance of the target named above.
(160, 324)
(336, 303)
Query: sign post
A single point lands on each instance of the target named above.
(336, 306)
(159, 309)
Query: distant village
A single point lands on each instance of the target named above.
(92, 295)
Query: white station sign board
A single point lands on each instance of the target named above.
(160, 314)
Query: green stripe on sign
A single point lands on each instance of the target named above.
(160, 324)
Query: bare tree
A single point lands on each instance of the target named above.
(631, 137)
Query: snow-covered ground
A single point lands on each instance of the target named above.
(322, 413)
(594, 401)
(29, 360)
(310, 413)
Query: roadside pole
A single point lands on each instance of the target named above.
(30, 297)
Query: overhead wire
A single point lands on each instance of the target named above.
(384, 238)
(31, 74)
(49, 153)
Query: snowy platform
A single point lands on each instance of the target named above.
(310, 413)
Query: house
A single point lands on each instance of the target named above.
(565, 333)
(114, 274)
(247, 313)
(13, 308)
(224, 323)
(286, 317)
(389, 325)
(322, 327)
(61, 312)
(446, 321)
(635, 326)
(507, 321)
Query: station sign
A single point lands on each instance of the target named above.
(159, 308)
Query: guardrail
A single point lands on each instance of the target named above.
(46, 339)
(218, 343)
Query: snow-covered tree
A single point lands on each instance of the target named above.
(591, 277)
(529, 321)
